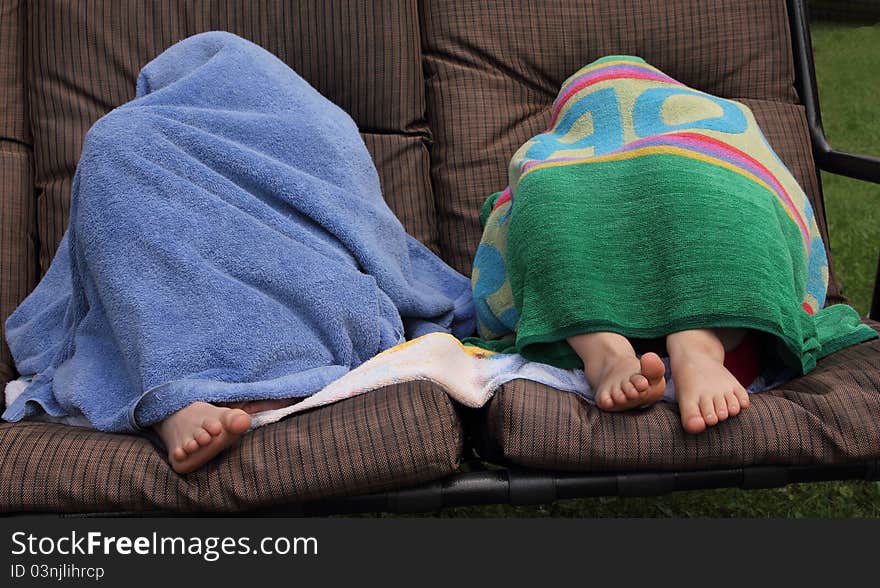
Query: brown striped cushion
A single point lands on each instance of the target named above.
(828, 416)
(18, 267)
(397, 436)
(494, 69)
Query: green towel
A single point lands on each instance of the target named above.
(646, 208)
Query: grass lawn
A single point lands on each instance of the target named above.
(848, 70)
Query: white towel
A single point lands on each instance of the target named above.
(469, 375)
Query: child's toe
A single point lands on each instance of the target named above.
(707, 409)
(629, 390)
(732, 403)
(640, 382)
(720, 407)
(652, 366)
(212, 426)
(203, 437)
(236, 421)
(691, 419)
(742, 396)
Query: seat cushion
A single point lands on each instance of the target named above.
(396, 436)
(828, 416)
(494, 69)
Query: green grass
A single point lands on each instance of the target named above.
(848, 71)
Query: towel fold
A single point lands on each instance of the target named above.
(469, 375)
(228, 241)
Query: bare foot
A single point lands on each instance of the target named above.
(195, 434)
(707, 393)
(620, 380)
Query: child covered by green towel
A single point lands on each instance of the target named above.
(652, 212)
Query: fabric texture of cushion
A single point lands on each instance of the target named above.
(18, 265)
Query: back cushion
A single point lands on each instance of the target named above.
(18, 265)
(84, 58)
(493, 70)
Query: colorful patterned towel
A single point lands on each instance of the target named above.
(648, 207)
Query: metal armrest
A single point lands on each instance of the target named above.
(860, 167)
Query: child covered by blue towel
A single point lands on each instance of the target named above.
(228, 251)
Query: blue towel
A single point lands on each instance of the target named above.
(228, 241)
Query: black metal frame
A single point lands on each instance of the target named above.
(480, 483)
